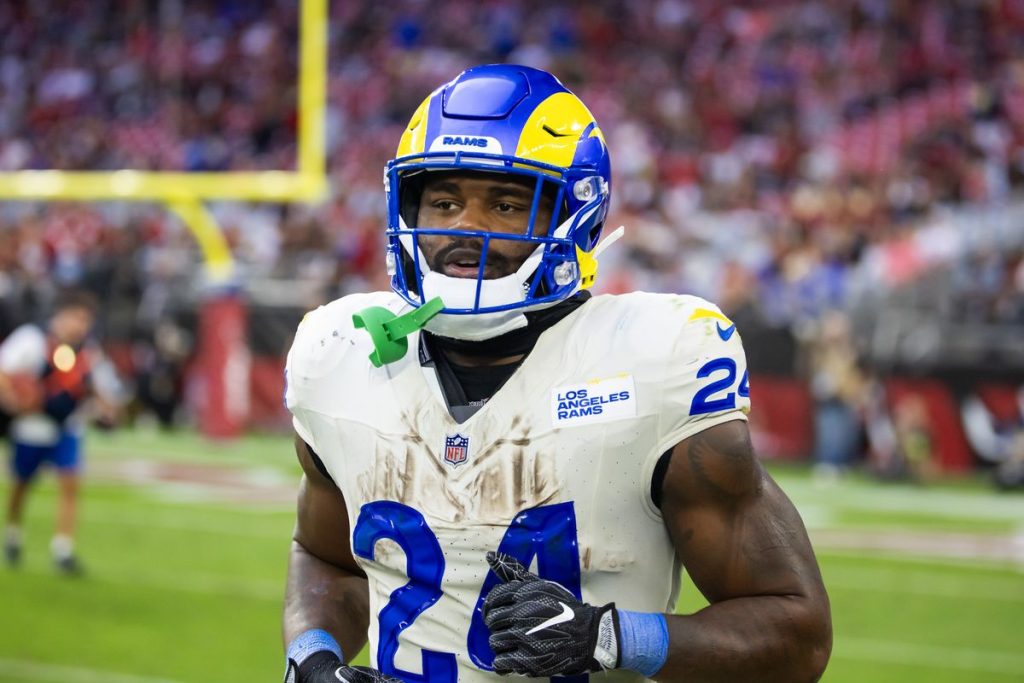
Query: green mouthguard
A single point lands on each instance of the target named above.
(389, 331)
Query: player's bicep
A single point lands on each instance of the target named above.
(735, 531)
(322, 527)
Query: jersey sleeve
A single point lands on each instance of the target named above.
(298, 375)
(328, 357)
(706, 381)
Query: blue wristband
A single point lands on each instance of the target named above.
(310, 642)
(643, 641)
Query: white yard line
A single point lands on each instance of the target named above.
(928, 562)
(932, 584)
(929, 656)
(57, 673)
(210, 524)
(881, 497)
(238, 456)
(959, 545)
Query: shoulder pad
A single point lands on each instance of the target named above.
(326, 338)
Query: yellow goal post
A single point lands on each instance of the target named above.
(184, 193)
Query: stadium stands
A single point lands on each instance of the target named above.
(786, 158)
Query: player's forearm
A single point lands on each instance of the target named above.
(764, 638)
(320, 595)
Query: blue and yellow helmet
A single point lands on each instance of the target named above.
(505, 119)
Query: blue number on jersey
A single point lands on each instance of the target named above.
(702, 401)
(744, 388)
(547, 533)
(424, 565)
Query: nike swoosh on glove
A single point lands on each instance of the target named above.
(538, 628)
(363, 674)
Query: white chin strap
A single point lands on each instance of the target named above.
(457, 292)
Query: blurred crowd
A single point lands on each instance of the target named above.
(781, 157)
(112, 84)
(763, 151)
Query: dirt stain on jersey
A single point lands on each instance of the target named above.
(389, 554)
(515, 478)
(508, 475)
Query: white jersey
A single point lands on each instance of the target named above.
(555, 468)
(25, 351)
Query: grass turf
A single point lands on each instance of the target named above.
(185, 582)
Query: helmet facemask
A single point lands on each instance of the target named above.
(485, 306)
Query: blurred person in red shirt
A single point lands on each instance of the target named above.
(45, 376)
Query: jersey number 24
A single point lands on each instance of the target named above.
(715, 395)
(547, 533)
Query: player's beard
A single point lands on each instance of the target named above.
(498, 265)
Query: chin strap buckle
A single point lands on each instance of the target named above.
(388, 331)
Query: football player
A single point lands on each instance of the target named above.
(505, 474)
(45, 375)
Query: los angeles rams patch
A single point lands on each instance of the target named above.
(598, 400)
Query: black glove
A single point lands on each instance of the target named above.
(362, 674)
(538, 628)
(325, 667)
(317, 668)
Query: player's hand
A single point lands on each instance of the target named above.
(538, 628)
(325, 667)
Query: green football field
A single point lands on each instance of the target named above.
(185, 543)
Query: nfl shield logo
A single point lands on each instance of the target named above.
(456, 448)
